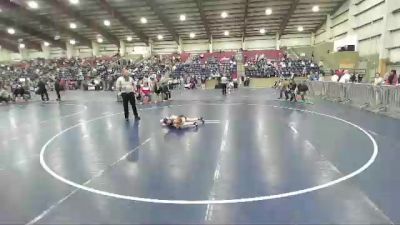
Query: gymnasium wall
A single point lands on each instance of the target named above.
(293, 40)
(393, 33)
(372, 25)
(5, 55)
(260, 42)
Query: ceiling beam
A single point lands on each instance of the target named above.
(9, 46)
(65, 9)
(29, 44)
(33, 32)
(286, 19)
(199, 4)
(163, 19)
(124, 21)
(19, 9)
(332, 12)
(246, 10)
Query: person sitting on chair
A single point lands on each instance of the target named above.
(19, 91)
(302, 89)
(4, 95)
(181, 121)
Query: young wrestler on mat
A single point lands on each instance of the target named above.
(181, 121)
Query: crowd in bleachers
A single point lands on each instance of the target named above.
(260, 65)
(78, 73)
(208, 65)
(155, 73)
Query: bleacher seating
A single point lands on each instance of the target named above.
(273, 63)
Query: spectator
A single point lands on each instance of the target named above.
(378, 81)
(302, 89)
(346, 77)
(335, 78)
(4, 95)
(353, 78)
(145, 91)
(57, 88)
(42, 90)
(203, 82)
(393, 78)
(284, 89)
(292, 90)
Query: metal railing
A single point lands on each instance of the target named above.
(376, 98)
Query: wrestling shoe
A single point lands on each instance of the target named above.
(196, 124)
(202, 120)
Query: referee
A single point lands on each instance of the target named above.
(224, 83)
(126, 88)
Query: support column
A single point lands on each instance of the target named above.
(122, 48)
(312, 39)
(95, 48)
(243, 43)
(180, 45)
(210, 46)
(46, 51)
(351, 22)
(24, 53)
(385, 38)
(277, 42)
(150, 47)
(328, 27)
(5, 55)
(70, 50)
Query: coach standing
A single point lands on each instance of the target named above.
(126, 88)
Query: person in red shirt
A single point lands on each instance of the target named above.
(393, 78)
(145, 91)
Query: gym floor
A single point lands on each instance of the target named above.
(256, 160)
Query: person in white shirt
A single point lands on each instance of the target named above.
(126, 88)
(345, 78)
(378, 80)
(335, 78)
(224, 82)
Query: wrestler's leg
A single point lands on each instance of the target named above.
(194, 119)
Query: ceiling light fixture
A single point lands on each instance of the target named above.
(57, 37)
(72, 42)
(33, 4)
(11, 31)
(74, 2)
(21, 46)
(226, 33)
(300, 28)
(72, 25)
(143, 20)
(47, 44)
(192, 35)
(182, 17)
(262, 31)
(224, 14)
(268, 11)
(106, 23)
(100, 40)
(160, 37)
(129, 38)
(315, 8)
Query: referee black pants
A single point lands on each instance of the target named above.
(224, 89)
(126, 98)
